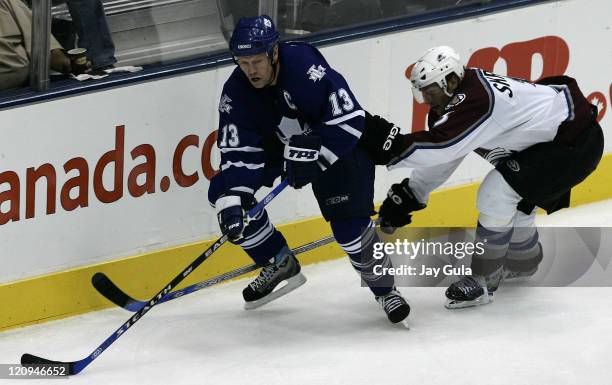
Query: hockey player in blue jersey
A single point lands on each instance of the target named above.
(285, 110)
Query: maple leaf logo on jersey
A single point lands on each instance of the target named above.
(316, 73)
(224, 104)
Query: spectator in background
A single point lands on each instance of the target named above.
(16, 46)
(92, 28)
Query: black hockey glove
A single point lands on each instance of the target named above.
(301, 155)
(381, 139)
(230, 214)
(397, 207)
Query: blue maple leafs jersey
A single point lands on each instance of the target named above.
(309, 98)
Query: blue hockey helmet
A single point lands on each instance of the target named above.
(252, 36)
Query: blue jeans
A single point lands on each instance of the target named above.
(94, 35)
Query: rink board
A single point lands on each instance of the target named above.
(124, 189)
(68, 293)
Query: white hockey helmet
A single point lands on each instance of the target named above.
(433, 67)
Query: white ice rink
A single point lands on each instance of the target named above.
(331, 331)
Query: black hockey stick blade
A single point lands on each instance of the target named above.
(32, 360)
(104, 285)
(113, 293)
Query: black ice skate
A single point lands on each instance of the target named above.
(394, 305)
(472, 291)
(285, 267)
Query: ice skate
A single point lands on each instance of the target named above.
(285, 267)
(472, 291)
(394, 305)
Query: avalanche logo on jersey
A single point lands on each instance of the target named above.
(495, 155)
(224, 104)
(455, 101)
(442, 119)
(317, 73)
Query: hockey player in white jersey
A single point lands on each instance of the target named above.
(542, 138)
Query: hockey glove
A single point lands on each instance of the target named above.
(301, 155)
(231, 216)
(381, 139)
(397, 207)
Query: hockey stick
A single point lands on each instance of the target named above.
(76, 367)
(113, 293)
(107, 288)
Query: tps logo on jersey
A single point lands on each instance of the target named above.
(224, 104)
(301, 154)
(316, 73)
(234, 225)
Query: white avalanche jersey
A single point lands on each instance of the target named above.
(490, 114)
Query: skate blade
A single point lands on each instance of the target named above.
(482, 300)
(404, 323)
(292, 284)
(518, 277)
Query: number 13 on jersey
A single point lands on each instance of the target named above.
(229, 136)
(347, 103)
